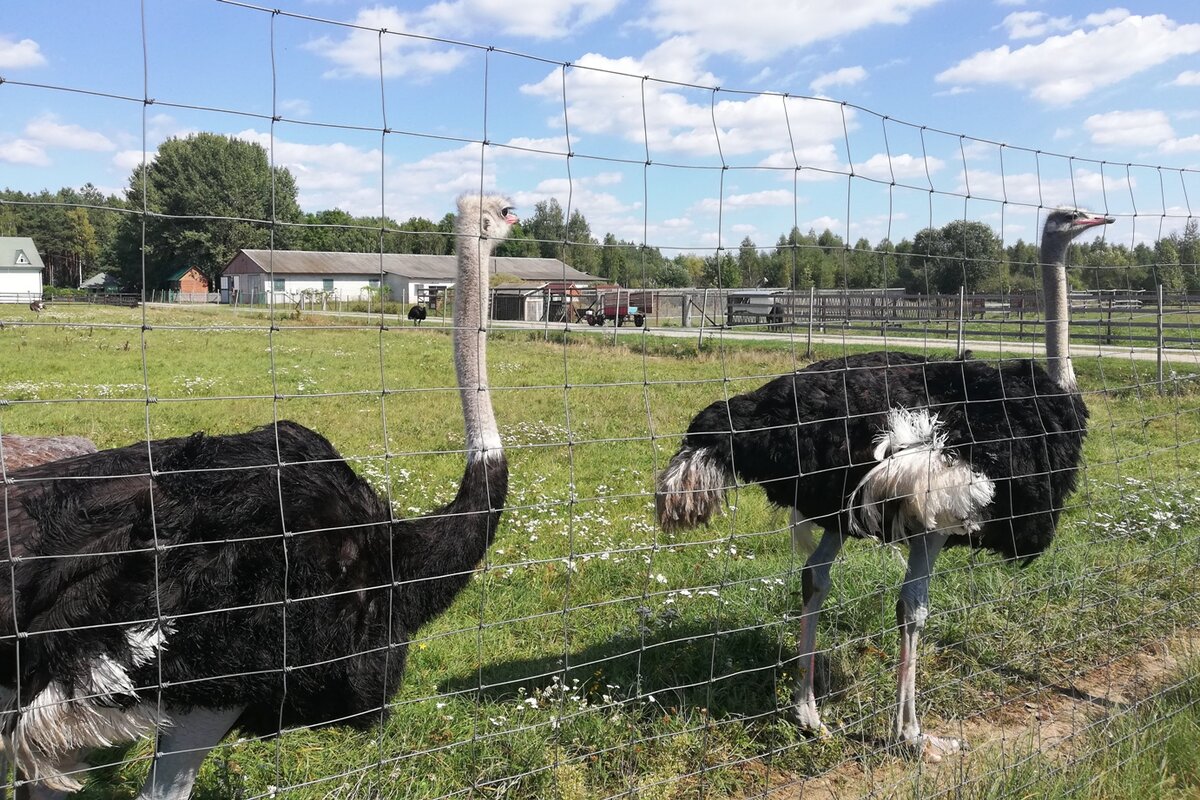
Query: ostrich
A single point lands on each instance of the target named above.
(37, 306)
(417, 314)
(900, 448)
(254, 580)
(18, 452)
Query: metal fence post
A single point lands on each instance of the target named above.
(962, 296)
(1159, 338)
(811, 298)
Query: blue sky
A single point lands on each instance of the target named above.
(1093, 81)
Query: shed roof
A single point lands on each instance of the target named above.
(19, 252)
(406, 265)
(178, 274)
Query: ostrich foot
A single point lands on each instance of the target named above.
(808, 719)
(933, 748)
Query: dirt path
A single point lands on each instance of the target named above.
(1055, 720)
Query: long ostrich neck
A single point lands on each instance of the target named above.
(1054, 289)
(470, 342)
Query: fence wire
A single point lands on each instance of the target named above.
(591, 653)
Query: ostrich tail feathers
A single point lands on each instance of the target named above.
(917, 485)
(691, 490)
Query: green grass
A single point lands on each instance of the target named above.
(594, 654)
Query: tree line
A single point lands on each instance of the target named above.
(207, 196)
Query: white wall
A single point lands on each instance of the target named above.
(345, 287)
(24, 284)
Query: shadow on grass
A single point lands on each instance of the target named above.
(684, 666)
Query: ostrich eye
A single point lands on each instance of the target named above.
(504, 212)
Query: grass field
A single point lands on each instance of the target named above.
(593, 655)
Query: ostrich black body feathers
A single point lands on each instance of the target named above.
(807, 438)
(270, 569)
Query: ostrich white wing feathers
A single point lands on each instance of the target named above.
(930, 488)
(58, 723)
(692, 488)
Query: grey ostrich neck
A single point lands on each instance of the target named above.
(470, 339)
(1054, 289)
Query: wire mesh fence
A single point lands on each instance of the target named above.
(337, 591)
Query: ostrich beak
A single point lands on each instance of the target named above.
(510, 218)
(1094, 219)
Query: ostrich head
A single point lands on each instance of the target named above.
(1063, 224)
(488, 217)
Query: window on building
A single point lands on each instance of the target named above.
(327, 284)
(373, 283)
(278, 284)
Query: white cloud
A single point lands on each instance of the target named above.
(605, 212)
(128, 160)
(605, 97)
(821, 223)
(361, 52)
(1032, 24)
(883, 167)
(846, 76)
(1189, 77)
(1088, 187)
(1062, 69)
(1108, 17)
(1188, 144)
(19, 54)
(767, 197)
(357, 54)
(50, 132)
(537, 19)
(1144, 129)
(763, 29)
(23, 151)
(1129, 128)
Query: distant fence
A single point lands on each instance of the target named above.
(1108, 318)
(91, 298)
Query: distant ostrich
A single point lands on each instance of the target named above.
(900, 448)
(19, 452)
(417, 314)
(250, 580)
(37, 306)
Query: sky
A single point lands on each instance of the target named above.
(685, 125)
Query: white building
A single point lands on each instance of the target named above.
(284, 275)
(20, 270)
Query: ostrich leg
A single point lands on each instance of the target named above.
(815, 586)
(181, 749)
(912, 610)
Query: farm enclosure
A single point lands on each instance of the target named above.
(594, 655)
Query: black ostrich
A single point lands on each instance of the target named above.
(900, 447)
(250, 580)
(417, 314)
(37, 306)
